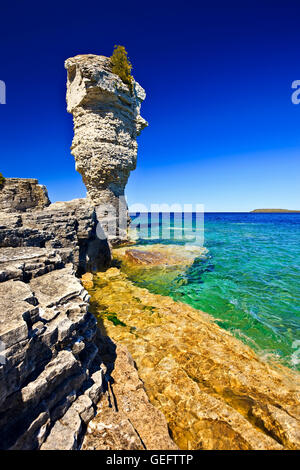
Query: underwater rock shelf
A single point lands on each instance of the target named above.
(214, 391)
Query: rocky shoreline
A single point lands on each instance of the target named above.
(279, 211)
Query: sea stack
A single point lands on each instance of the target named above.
(107, 121)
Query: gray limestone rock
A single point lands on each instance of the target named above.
(20, 195)
(34, 243)
(52, 356)
(65, 432)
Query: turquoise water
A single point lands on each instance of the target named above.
(249, 279)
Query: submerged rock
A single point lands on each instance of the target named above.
(34, 242)
(214, 391)
(49, 355)
(126, 420)
(43, 372)
(158, 255)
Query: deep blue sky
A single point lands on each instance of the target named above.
(222, 128)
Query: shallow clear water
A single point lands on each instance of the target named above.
(249, 279)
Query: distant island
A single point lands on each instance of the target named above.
(274, 210)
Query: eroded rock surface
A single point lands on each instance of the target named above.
(214, 391)
(126, 420)
(107, 122)
(20, 195)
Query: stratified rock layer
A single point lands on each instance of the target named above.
(20, 195)
(214, 391)
(107, 122)
(126, 420)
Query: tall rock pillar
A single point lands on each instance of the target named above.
(107, 121)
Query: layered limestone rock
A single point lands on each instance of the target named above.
(214, 391)
(158, 255)
(51, 371)
(20, 195)
(107, 122)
